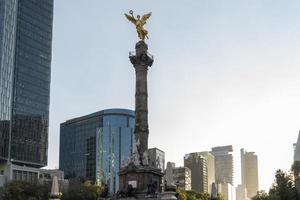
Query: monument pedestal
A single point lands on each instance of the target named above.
(145, 180)
(169, 195)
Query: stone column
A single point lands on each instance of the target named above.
(144, 180)
(141, 60)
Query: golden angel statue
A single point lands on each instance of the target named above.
(139, 23)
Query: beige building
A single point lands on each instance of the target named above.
(249, 165)
(223, 164)
(156, 158)
(198, 166)
(241, 193)
(226, 190)
(210, 163)
(182, 177)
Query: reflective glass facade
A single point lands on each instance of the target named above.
(223, 164)
(25, 90)
(94, 147)
(7, 48)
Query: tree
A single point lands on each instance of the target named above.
(19, 190)
(87, 191)
(284, 187)
(90, 191)
(261, 195)
(221, 197)
(192, 195)
(181, 194)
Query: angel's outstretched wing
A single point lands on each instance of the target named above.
(130, 18)
(145, 17)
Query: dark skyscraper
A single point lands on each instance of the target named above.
(25, 64)
(197, 163)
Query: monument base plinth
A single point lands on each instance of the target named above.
(169, 195)
(142, 182)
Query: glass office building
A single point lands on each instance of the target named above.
(7, 48)
(25, 64)
(223, 164)
(95, 146)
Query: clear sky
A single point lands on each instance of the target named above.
(225, 72)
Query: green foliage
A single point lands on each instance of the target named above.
(86, 191)
(221, 197)
(283, 188)
(192, 195)
(182, 194)
(19, 190)
(261, 195)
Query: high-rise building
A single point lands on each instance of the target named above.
(25, 68)
(223, 164)
(94, 147)
(297, 149)
(198, 166)
(182, 177)
(32, 175)
(241, 192)
(249, 171)
(157, 158)
(210, 163)
(226, 190)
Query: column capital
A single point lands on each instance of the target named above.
(140, 58)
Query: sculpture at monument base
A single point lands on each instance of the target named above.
(55, 194)
(214, 192)
(144, 180)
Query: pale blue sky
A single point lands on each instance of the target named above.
(225, 72)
